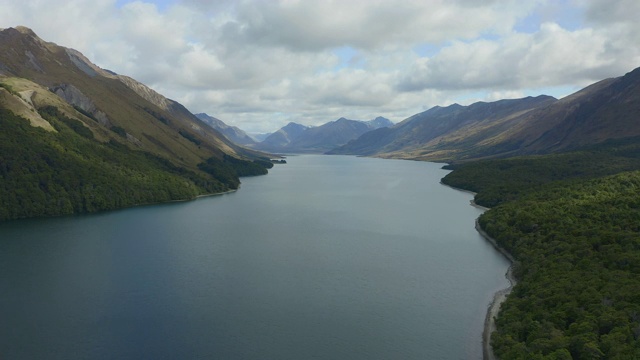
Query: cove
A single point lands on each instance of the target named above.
(327, 257)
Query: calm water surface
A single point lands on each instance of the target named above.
(327, 257)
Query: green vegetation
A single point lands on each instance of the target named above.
(119, 130)
(51, 114)
(229, 169)
(498, 181)
(578, 250)
(9, 88)
(190, 137)
(575, 235)
(47, 174)
(157, 116)
(85, 113)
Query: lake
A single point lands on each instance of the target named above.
(327, 257)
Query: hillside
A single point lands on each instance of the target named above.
(295, 138)
(605, 110)
(445, 132)
(281, 138)
(233, 133)
(150, 120)
(77, 138)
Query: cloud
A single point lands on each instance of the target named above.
(260, 64)
(552, 56)
(611, 12)
(319, 25)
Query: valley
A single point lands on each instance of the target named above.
(559, 176)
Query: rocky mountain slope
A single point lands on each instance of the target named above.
(150, 120)
(233, 133)
(608, 109)
(120, 142)
(605, 110)
(445, 131)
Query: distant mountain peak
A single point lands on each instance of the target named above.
(295, 138)
(25, 30)
(294, 125)
(379, 122)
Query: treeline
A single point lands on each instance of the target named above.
(575, 235)
(46, 173)
(229, 169)
(498, 181)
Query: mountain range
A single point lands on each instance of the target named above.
(78, 138)
(296, 138)
(533, 125)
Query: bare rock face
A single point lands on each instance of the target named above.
(146, 92)
(82, 63)
(76, 98)
(132, 139)
(32, 62)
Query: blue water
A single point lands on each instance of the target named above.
(327, 257)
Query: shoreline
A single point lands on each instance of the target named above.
(498, 298)
(501, 295)
(472, 201)
(213, 194)
(176, 200)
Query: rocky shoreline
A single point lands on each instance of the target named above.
(500, 296)
(498, 299)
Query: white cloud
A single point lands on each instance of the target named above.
(550, 57)
(317, 25)
(259, 64)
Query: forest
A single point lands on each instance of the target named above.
(68, 172)
(572, 223)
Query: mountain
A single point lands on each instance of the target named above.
(259, 137)
(149, 118)
(379, 122)
(281, 138)
(328, 136)
(295, 138)
(444, 131)
(233, 133)
(77, 138)
(605, 110)
(534, 125)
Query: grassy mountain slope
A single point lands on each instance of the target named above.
(152, 122)
(605, 110)
(76, 138)
(233, 133)
(446, 132)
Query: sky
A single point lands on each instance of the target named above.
(260, 64)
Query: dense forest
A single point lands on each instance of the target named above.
(500, 180)
(68, 172)
(574, 231)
